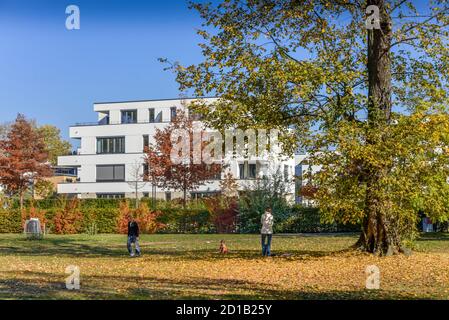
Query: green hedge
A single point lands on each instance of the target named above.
(307, 220)
(104, 213)
(10, 221)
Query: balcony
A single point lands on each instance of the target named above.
(103, 123)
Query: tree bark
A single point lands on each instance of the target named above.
(21, 199)
(378, 236)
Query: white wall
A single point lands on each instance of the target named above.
(88, 159)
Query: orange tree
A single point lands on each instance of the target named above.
(165, 172)
(23, 158)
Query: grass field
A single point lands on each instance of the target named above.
(189, 267)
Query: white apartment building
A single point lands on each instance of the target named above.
(112, 147)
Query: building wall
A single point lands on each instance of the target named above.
(87, 159)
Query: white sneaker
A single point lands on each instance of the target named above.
(132, 254)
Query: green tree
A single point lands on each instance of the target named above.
(55, 145)
(268, 191)
(367, 94)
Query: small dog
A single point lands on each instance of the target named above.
(223, 248)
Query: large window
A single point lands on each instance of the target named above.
(129, 116)
(111, 173)
(111, 145)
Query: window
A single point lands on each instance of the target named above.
(110, 195)
(172, 113)
(248, 170)
(146, 142)
(111, 145)
(110, 173)
(129, 116)
(201, 195)
(242, 170)
(152, 115)
(146, 172)
(168, 196)
(105, 119)
(252, 171)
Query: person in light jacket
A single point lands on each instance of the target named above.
(266, 231)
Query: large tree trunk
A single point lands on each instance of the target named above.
(378, 236)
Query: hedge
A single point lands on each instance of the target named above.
(104, 214)
(307, 220)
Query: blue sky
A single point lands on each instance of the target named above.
(54, 75)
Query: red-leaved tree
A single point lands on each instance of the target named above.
(23, 158)
(168, 174)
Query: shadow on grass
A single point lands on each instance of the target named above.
(437, 236)
(47, 286)
(86, 248)
(76, 250)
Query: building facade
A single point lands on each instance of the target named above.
(112, 149)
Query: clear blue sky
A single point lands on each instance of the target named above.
(54, 75)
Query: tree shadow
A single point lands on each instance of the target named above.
(148, 288)
(67, 247)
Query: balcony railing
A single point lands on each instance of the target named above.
(103, 123)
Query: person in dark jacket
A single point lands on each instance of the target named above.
(133, 236)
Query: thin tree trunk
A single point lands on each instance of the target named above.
(21, 200)
(137, 196)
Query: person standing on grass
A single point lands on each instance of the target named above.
(133, 236)
(267, 231)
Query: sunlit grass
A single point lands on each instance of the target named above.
(189, 267)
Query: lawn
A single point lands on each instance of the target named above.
(189, 267)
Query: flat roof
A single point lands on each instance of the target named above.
(155, 100)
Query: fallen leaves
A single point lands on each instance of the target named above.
(315, 268)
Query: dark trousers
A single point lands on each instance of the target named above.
(266, 244)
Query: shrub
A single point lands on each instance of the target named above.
(146, 218)
(10, 221)
(264, 192)
(223, 213)
(68, 219)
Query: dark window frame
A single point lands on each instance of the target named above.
(146, 141)
(152, 115)
(121, 147)
(126, 120)
(114, 179)
(173, 113)
(110, 195)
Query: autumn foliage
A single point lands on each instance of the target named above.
(68, 220)
(23, 158)
(146, 218)
(167, 174)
